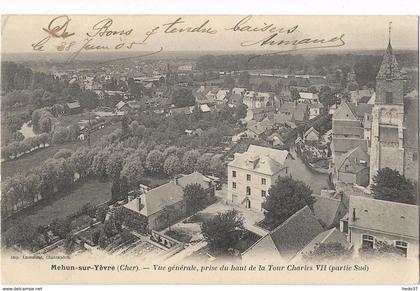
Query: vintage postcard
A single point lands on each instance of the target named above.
(209, 149)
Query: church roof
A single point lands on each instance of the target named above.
(389, 68)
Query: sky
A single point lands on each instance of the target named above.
(20, 33)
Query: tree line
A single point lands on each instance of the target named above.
(123, 159)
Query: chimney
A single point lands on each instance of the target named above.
(354, 214)
(139, 200)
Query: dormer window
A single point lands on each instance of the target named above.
(402, 246)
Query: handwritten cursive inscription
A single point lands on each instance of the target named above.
(57, 28)
(105, 35)
(243, 26)
(174, 27)
(103, 29)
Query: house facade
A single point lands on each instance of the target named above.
(371, 220)
(353, 167)
(163, 205)
(252, 173)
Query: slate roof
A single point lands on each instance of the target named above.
(221, 94)
(311, 129)
(167, 194)
(389, 68)
(238, 91)
(384, 216)
(346, 144)
(328, 210)
(259, 127)
(360, 109)
(120, 105)
(300, 112)
(309, 96)
(157, 198)
(194, 178)
(280, 118)
(73, 105)
(354, 156)
(261, 159)
(294, 234)
(329, 236)
(359, 94)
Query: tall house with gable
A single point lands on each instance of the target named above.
(387, 141)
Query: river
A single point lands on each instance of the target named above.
(300, 171)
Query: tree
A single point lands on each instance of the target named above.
(171, 150)
(132, 171)
(189, 160)
(154, 161)
(244, 79)
(328, 252)
(183, 97)
(125, 127)
(264, 86)
(240, 111)
(124, 189)
(100, 161)
(228, 82)
(81, 160)
(95, 236)
(73, 131)
(223, 231)
(286, 197)
(101, 213)
(115, 164)
(60, 227)
(216, 166)
(170, 213)
(137, 129)
(60, 135)
(203, 163)
(172, 166)
(195, 197)
(33, 185)
(63, 153)
(115, 190)
(382, 249)
(22, 233)
(390, 185)
(327, 96)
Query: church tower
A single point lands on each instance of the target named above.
(387, 148)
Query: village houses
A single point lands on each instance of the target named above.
(252, 173)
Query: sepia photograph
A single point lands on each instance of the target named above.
(240, 149)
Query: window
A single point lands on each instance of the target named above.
(234, 174)
(345, 226)
(248, 177)
(414, 157)
(263, 181)
(388, 97)
(248, 190)
(402, 246)
(263, 193)
(367, 241)
(234, 185)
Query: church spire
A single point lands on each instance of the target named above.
(389, 68)
(389, 48)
